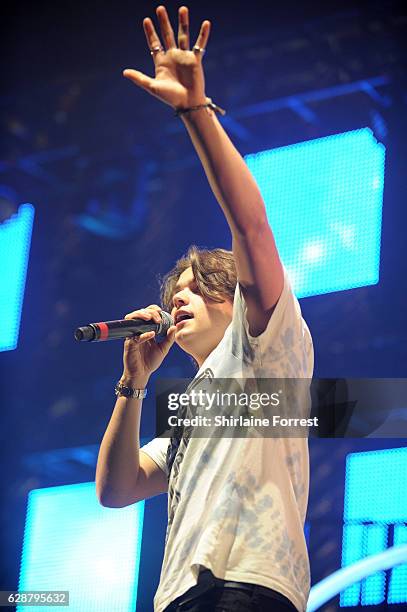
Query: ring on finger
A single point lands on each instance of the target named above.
(157, 49)
(198, 49)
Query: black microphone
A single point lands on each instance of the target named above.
(124, 328)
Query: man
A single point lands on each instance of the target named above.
(235, 314)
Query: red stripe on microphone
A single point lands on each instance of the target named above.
(104, 330)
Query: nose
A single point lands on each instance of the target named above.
(180, 298)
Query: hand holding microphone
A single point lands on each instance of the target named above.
(142, 355)
(140, 328)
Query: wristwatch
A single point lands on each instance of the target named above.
(122, 390)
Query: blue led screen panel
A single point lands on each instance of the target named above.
(375, 517)
(398, 580)
(376, 486)
(72, 543)
(15, 241)
(324, 200)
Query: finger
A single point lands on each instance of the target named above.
(167, 343)
(144, 337)
(203, 36)
(156, 316)
(140, 314)
(166, 30)
(183, 28)
(153, 40)
(140, 79)
(156, 310)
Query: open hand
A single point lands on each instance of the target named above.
(179, 79)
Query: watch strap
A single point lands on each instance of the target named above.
(129, 392)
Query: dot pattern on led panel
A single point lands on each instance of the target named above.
(15, 240)
(398, 580)
(376, 486)
(373, 586)
(324, 203)
(375, 501)
(72, 543)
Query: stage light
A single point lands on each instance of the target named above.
(72, 543)
(323, 200)
(15, 240)
(375, 507)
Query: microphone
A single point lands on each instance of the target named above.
(124, 328)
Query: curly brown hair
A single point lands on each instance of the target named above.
(214, 272)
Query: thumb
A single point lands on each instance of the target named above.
(166, 344)
(139, 78)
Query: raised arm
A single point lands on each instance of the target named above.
(179, 81)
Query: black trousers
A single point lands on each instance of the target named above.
(214, 595)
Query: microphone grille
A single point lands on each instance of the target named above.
(166, 322)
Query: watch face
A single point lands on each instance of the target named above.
(121, 390)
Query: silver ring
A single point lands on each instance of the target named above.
(156, 50)
(199, 49)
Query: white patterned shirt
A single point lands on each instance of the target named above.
(237, 506)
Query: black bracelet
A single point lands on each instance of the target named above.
(211, 105)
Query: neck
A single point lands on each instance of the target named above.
(200, 359)
(201, 356)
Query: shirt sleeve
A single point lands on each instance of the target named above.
(286, 334)
(157, 451)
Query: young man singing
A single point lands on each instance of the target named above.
(236, 506)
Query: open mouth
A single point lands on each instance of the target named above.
(182, 317)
